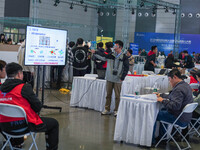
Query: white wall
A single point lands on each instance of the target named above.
(165, 22)
(63, 13)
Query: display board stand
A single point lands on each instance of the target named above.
(37, 88)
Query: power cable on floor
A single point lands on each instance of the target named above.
(84, 93)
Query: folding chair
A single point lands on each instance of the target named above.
(194, 129)
(189, 108)
(15, 111)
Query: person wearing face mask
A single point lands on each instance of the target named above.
(117, 69)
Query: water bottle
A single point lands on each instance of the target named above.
(155, 87)
(137, 90)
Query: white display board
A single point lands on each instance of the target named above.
(45, 46)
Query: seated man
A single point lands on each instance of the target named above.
(179, 97)
(22, 95)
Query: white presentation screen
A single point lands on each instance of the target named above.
(45, 46)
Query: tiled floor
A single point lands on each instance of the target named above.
(83, 129)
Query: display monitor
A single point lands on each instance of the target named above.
(45, 46)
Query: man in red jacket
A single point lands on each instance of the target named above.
(14, 91)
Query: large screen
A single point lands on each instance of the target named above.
(45, 46)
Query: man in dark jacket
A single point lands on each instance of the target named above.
(80, 54)
(188, 63)
(179, 97)
(151, 59)
(100, 65)
(116, 72)
(22, 95)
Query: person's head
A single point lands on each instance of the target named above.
(109, 45)
(2, 69)
(79, 41)
(2, 37)
(71, 44)
(129, 52)
(171, 52)
(143, 50)
(100, 44)
(185, 53)
(118, 46)
(193, 53)
(154, 49)
(9, 41)
(198, 75)
(14, 70)
(174, 77)
(21, 40)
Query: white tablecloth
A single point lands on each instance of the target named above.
(91, 93)
(135, 120)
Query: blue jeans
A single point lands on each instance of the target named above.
(164, 115)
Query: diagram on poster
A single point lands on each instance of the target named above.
(45, 46)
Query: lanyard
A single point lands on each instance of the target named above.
(118, 55)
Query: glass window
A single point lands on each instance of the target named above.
(14, 30)
(22, 31)
(6, 29)
(15, 38)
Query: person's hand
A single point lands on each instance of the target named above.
(157, 94)
(92, 51)
(159, 99)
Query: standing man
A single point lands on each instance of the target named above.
(100, 65)
(80, 54)
(143, 53)
(188, 63)
(117, 69)
(151, 59)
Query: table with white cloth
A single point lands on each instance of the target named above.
(135, 119)
(91, 93)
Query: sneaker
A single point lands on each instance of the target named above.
(105, 112)
(115, 113)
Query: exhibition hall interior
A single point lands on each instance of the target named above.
(99, 74)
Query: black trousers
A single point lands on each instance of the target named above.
(79, 72)
(50, 127)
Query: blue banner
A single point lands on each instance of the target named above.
(165, 41)
(134, 48)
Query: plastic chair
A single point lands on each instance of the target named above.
(189, 108)
(15, 111)
(194, 129)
